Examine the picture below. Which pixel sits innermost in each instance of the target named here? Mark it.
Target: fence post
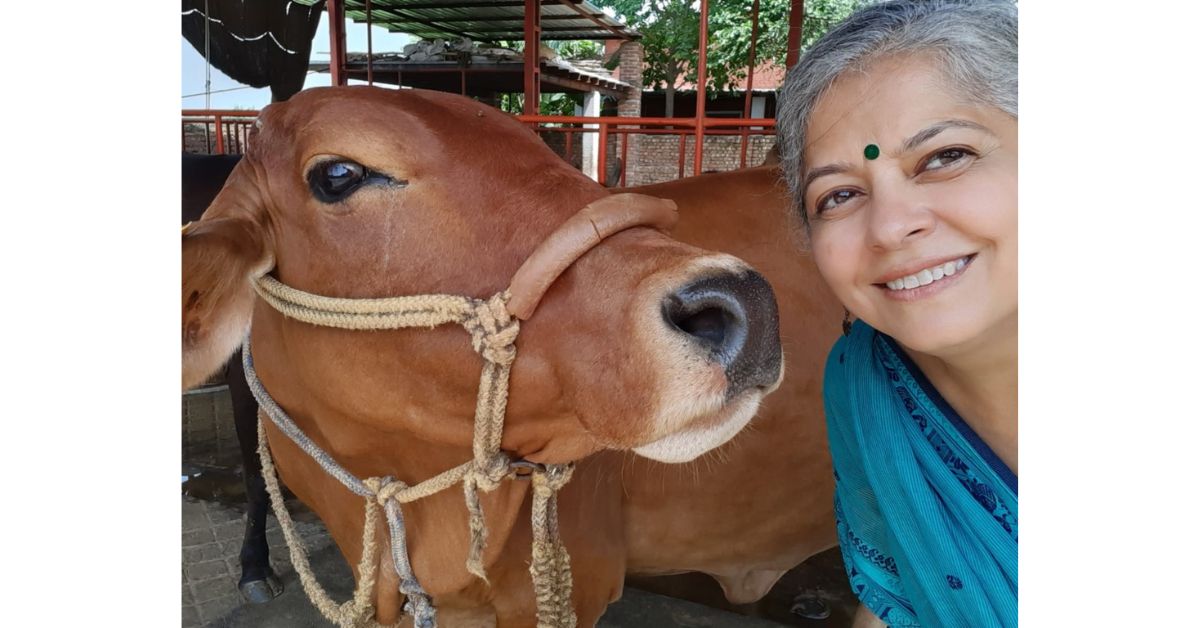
(602, 158)
(220, 134)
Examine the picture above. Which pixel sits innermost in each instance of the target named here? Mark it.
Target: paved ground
(212, 534)
(212, 537)
(213, 523)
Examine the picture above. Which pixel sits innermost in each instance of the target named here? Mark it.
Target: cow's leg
(258, 583)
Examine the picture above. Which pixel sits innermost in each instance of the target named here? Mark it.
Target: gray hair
(974, 41)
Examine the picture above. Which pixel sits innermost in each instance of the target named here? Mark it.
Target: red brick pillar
(632, 62)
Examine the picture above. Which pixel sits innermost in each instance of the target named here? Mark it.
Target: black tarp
(261, 43)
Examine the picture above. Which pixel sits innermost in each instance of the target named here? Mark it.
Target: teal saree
(926, 512)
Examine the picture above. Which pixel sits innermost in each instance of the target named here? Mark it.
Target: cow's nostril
(708, 324)
(711, 315)
(734, 317)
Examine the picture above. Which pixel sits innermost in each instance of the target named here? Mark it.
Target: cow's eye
(333, 181)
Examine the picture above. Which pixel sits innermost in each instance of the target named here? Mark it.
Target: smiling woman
(898, 134)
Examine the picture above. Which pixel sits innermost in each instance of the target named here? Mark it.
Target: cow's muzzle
(735, 319)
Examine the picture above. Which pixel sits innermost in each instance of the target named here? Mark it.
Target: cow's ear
(222, 253)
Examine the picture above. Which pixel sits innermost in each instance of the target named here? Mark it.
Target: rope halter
(493, 325)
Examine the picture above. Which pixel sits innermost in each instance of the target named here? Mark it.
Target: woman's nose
(897, 217)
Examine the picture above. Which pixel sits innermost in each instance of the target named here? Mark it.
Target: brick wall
(632, 61)
(209, 435)
(194, 140)
(557, 142)
(632, 57)
(658, 159)
(657, 156)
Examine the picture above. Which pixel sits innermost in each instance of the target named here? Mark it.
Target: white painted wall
(758, 108)
(591, 141)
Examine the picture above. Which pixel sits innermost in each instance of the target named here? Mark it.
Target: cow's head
(643, 343)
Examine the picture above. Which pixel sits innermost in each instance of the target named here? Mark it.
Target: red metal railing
(685, 128)
(222, 131)
(225, 131)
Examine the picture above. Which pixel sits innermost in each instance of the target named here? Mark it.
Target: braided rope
(493, 335)
(354, 612)
(419, 604)
(551, 565)
(362, 314)
(293, 431)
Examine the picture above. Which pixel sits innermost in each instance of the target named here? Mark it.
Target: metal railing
(222, 131)
(623, 128)
(226, 132)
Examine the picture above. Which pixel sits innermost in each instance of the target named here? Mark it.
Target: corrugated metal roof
(489, 20)
(487, 74)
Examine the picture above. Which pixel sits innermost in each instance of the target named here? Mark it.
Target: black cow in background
(231, 35)
(203, 178)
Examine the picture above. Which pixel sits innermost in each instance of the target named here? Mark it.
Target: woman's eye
(833, 199)
(944, 158)
(332, 181)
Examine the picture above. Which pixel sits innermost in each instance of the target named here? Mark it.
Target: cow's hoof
(261, 591)
(810, 606)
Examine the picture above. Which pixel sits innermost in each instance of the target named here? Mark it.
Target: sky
(244, 97)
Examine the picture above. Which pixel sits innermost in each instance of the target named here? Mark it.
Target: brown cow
(643, 344)
(763, 503)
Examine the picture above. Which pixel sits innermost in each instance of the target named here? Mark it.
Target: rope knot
(384, 489)
(557, 475)
(375, 485)
(493, 470)
(493, 330)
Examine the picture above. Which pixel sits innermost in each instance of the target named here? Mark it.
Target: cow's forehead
(366, 106)
(370, 118)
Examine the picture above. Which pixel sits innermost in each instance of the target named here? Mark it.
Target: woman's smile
(933, 278)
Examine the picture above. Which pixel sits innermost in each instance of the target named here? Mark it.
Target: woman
(899, 139)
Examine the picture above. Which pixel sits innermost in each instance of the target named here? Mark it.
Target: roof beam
(549, 75)
(546, 36)
(483, 18)
(408, 13)
(485, 35)
(412, 18)
(358, 71)
(589, 15)
(582, 86)
(509, 29)
(532, 68)
(461, 4)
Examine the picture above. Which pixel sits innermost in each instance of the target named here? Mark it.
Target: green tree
(670, 39)
(577, 48)
(671, 36)
(549, 105)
